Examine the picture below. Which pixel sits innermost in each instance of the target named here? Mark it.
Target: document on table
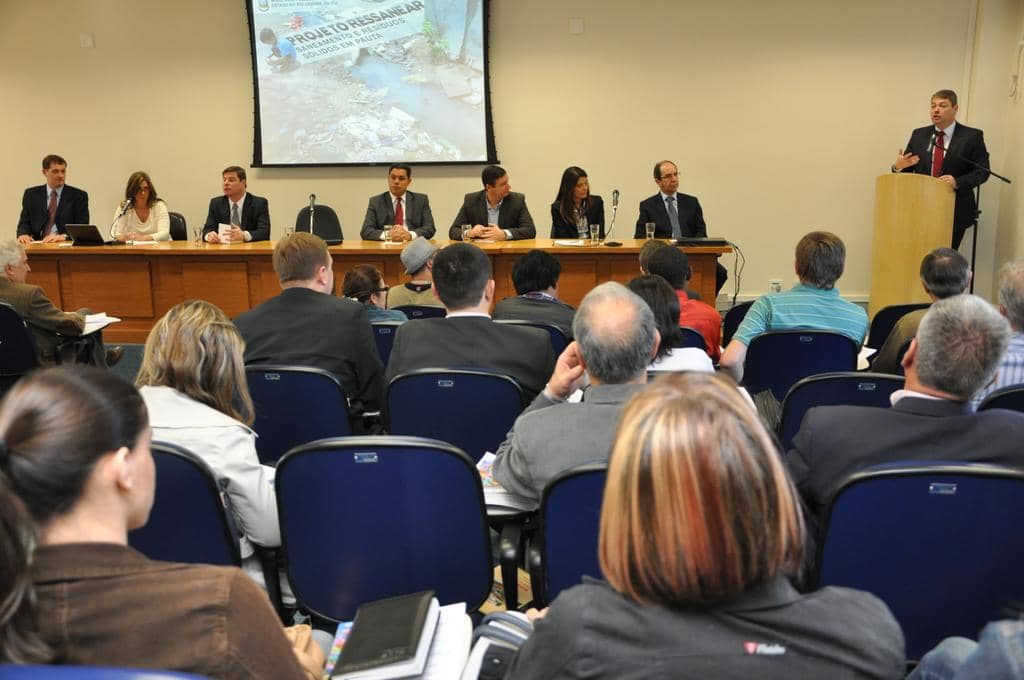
(94, 322)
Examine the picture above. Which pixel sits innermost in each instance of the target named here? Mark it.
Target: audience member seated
(142, 215)
(496, 213)
(467, 337)
(193, 381)
(535, 276)
(955, 353)
(77, 475)
(944, 272)
(365, 284)
(306, 325)
(418, 260)
(44, 320)
(673, 265)
(1010, 370)
(700, 528)
(575, 209)
(814, 303)
(664, 303)
(615, 339)
(649, 247)
(998, 653)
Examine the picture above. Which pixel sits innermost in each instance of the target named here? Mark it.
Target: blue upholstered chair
(364, 518)
(417, 312)
(295, 405)
(559, 341)
(939, 543)
(777, 360)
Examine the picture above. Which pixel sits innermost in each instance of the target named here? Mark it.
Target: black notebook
(390, 638)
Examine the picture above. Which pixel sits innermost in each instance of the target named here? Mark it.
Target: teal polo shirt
(803, 307)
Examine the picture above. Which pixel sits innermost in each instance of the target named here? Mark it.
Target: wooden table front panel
(140, 284)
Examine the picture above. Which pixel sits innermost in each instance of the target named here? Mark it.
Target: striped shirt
(1010, 371)
(803, 307)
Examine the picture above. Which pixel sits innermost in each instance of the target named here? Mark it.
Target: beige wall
(780, 114)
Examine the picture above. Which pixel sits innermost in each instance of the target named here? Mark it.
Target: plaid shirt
(1010, 371)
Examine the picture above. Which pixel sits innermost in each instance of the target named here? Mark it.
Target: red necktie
(399, 213)
(937, 154)
(52, 209)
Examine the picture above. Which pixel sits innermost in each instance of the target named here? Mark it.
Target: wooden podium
(913, 215)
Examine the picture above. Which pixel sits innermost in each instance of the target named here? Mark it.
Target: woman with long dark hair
(142, 215)
(575, 206)
(76, 474)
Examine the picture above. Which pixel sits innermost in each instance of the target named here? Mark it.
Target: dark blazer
(561, 228)
(514, 215)
(554, 312)
(381, 211)
(770, 632)
(967, 142)
(255, 216)
(837, 441)
(72, 208)
(691, 217)
(44, 320)
(474, 342)
(307, 328)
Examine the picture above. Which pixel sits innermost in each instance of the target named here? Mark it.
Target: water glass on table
(197, 236)
(649, 229)
(594, 228)
(466, 228)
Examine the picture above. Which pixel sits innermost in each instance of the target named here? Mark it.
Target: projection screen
(355, 82)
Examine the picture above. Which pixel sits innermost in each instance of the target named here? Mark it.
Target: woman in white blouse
(142, 215)
(193, 382)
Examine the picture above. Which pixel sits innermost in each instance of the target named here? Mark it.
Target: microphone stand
(124, 211)
(312, 206)
(977, 202)
(615, 210)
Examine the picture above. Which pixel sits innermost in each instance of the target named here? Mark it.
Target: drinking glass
(649, 229)
(197, 236)
(581, 228)
(387, 234)
(593, 232)
(289, 230)
(466, 228)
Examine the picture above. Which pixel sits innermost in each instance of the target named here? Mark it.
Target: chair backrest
(732, 321)
(15, 672)
(692, 338)
(416, 312)
(470, 409)
(570, 515)
(777, 360)
(559, 341)
(833, 389)
(188, 522)
(940, 544)
(326, 224)
(384, 335)
(364, 518)
(1011, 397)
(295, 405)
(884, 320)
(17, 348)
(179, 228)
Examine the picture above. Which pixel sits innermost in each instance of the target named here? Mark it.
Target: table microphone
(615, 209)
(312, 206)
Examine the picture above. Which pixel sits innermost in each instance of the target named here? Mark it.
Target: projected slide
(370, 81)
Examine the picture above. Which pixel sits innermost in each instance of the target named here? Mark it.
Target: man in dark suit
(674, 215)
(48, 208)
(956, 352)
(407, 214)
(248, 215)
(47, 323)
(496, 213)
(948, 150)
(308, 326)
(467, 337)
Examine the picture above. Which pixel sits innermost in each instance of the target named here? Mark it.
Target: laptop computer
(694, 241)
(86, 235)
